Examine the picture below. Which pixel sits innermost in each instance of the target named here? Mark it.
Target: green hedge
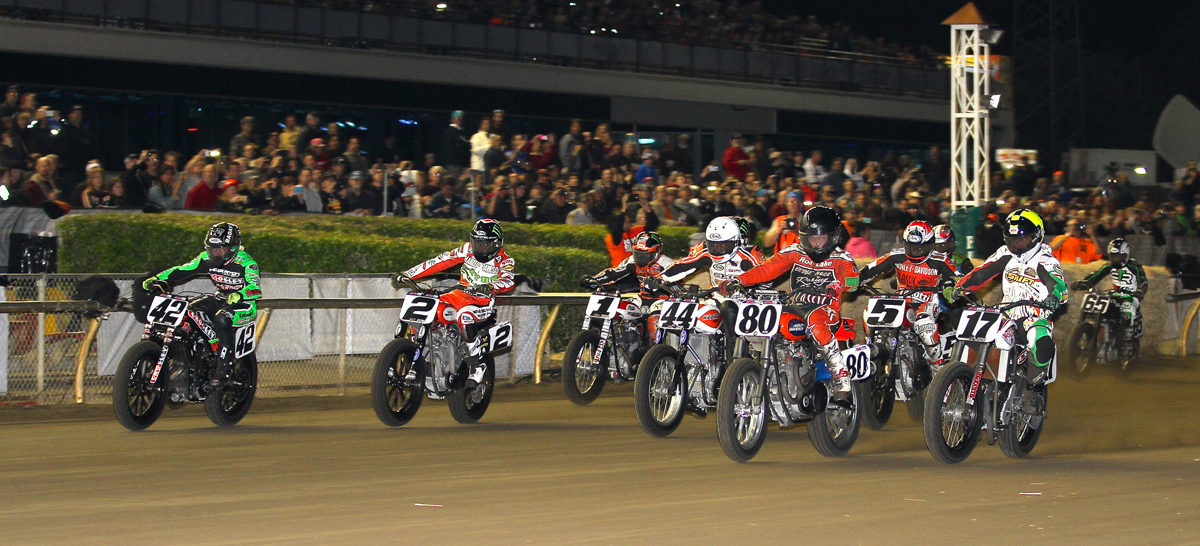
(541, 235)
(142, 242)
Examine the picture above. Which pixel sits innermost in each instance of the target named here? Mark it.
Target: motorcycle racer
(486, 271)
(918, 267)
(943, 241)
(1030, 272)
(647, 261)
(1129, 279)
(236, 276)
(818, 266)
(722, 253)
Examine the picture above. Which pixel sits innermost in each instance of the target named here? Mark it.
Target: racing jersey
(1130, 277)
(928, 273)
(497, 272)
(718, 272)
(628, 271)
(1035, 276)
(831, 277)
(240, 275)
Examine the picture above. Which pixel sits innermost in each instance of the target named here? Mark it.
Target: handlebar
(677, 290)
(899, 293)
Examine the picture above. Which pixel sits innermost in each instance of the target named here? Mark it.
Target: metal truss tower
(1047, 77)
(970, 88)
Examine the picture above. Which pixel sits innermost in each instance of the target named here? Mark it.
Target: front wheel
(658, 395)
(469, 403)
(397, 384)
(582, 379)
(138, 401)
(231, 401)
(881, 397)
(834, 431)
(952, 426)
(1081, 350)
(1025, 425)
(742, 410)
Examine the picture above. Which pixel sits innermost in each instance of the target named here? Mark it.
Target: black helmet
(222, 243)
(1023, 230)
(647, 248)
(748, 230)
(487, 238)
(820, 232)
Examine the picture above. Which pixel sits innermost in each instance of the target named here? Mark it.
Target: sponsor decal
(1016, 276)
(254, 292)
(796, 328)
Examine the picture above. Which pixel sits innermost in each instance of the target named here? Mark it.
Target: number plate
(1096, 303)
(167, 309)
(678, 315)
(757, 319)
(979, 325)
(602, 306)
(884, 312)
(858, 362)
(419, 309)
(500, 337)
(243, 341)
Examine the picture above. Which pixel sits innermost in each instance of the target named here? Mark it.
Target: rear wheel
(742, 410)
(658, 395)
(397, 383)
(1025, 425)
(952, 426)
(468, 404)
(582, 379)
(230, 402)
(137, 401)
(834, 431)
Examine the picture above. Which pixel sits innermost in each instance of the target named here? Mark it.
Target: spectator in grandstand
(75, 147)
(12, 98)
(1077, 245)
(358, 199)
(481, 142)
(835, 177)
(245, 136)
(312, 130)
(204, 195)
(166, 192)
(456, 147)
(784, 228)
(555, 209)
(735, 160)
(289, 136)
(116, 194)
(859, 245)
(570, 147)
(501, 204)
(498, 126)
(646, 170)
(41, 185)
(446, 203)
(331, 198)
(581, 215)
(493, 157)
(230, 200)
(93, 194)
(356, 158)
(814, 171)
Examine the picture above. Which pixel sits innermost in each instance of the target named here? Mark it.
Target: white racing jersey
(1034, 275)
(497, 272)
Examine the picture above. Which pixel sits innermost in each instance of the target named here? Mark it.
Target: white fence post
(41, 339)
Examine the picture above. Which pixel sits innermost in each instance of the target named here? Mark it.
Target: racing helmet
(748, 230)
(1023, 230)
(943, 239)
(721, 238)
(222, 243)
(647, 248)
(487, 238)
(820, 232)
(1118, 252)
(918, 240)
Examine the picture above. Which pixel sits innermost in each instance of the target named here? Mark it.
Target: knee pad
(1042, 347)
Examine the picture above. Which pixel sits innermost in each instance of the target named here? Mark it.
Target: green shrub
(142, 242)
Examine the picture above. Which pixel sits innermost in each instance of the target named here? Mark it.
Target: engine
(443, 353)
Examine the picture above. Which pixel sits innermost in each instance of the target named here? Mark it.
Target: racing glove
(233, 298)
(729, 286)
(399, 280)
(483, 290)
(1051, 304)
(588, 282)
(156, 286)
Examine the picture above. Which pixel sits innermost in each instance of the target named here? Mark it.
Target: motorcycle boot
(839, 376)
(223, 324)
(475, 366)
(927, 332)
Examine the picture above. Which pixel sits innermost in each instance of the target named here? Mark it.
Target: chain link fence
(302, 352)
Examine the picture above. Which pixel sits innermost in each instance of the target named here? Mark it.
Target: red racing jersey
(831, 277)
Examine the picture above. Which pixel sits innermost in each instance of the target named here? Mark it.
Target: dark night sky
(1136, 55)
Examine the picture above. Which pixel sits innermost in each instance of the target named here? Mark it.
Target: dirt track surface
(1119, 463)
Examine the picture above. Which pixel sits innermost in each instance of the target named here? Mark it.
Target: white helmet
(721, 238)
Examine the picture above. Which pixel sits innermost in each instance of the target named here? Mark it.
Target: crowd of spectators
(484, 169)
(738, 24)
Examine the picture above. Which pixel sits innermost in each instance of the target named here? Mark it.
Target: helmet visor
(484, 248)
(917, 250)
(219, 253)
(644, 258)
(818, 242)
(1118, 257)
(1018, 243)
(720, 248)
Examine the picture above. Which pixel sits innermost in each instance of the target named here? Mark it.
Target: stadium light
(1140, 170)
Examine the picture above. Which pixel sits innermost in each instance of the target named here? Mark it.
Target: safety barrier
(319, 335)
